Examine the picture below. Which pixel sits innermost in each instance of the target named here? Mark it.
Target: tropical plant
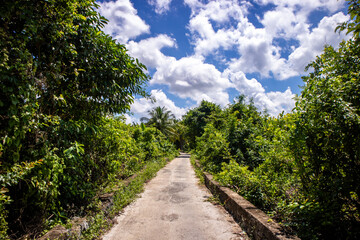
(212, 149)
(178, 135)
(60, 76)
(160, 118)
(196, 119)
(326, 139)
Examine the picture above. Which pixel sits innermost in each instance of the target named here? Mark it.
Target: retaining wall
(255, 222)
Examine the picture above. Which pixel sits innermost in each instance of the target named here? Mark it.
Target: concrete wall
(255, 222)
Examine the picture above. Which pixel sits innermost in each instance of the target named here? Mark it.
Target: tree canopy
(61, 75)
(161, 118)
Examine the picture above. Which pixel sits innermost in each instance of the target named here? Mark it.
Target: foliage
(195, 120)
(302, 168)
(352, 26)
(325, 142)
(160, 118)
(178, 135)
(153, 143)
(272, 183)
(212, 149)
(243, 123)
(276, 183)
(62, 79)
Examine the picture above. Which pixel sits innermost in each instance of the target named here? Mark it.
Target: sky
(215, 50)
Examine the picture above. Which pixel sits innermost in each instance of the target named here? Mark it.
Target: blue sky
(218, 49)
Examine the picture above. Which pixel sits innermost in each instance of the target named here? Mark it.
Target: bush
(212, 149)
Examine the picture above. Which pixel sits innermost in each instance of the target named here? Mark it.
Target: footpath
(175, 206)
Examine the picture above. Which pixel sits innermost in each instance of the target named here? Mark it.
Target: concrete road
(175, 206)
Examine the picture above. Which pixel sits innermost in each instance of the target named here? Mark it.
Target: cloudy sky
(218, 49)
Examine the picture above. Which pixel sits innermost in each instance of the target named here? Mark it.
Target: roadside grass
(198, 172)
(101, 221)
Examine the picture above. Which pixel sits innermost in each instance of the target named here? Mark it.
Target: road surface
(174, 206)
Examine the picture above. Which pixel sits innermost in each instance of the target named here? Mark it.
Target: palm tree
(160, 118)
(177, 135)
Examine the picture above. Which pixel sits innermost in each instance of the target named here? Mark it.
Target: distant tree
(196, 119)
(160, 118)
(178, 135)
(244, 123)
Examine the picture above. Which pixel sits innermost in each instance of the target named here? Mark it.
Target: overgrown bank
(62, 81)
(302, 168)
(125, 194)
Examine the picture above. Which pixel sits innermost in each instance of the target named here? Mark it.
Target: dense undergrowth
(67, 181)
(256, 156)
(124, 194)
(62, 81)
(302, 168)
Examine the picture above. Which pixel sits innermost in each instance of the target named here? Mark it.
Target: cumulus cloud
(129, 119)
(306, 6)
(148, 51)
(283, 22)
(141, 106)
(190, 77)
(273, 102)
(258, 49)
(212, 28)
(220, 25)
(312, 43)
(215, 14)
(161, 6)
(259, 55)
(124, 23)
(255, 45)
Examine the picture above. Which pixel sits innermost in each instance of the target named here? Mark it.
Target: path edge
(255, 222)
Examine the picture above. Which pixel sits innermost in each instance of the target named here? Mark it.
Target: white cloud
(216, 14)
(161, 6)
(259, 55)
(141, 106)
(283, 22)
(274, 102)
(212, 28)
(258, 50)
(129, 119)
(306, 6)
(148, 51)
(124, 23)
(191, 78)
(224, 25)
(312, 43)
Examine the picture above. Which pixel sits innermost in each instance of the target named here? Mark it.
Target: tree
(178, 135)
(197, 118)
(161, 118)
(326, 140)
(60, 74)
(244, 124)
(352, 26)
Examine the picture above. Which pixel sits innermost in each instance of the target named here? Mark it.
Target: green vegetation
(160, 118)
(163, 120)
(123, 196)
(62, 81)
(302, 168)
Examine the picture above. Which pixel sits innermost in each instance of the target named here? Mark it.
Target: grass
(198, 172)
(125, 194)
